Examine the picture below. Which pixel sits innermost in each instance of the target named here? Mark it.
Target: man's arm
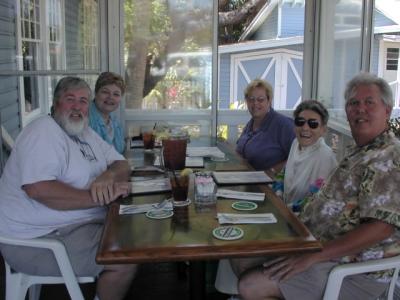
(58, 195)
(353, 242)
(107, 187)
(118, 171)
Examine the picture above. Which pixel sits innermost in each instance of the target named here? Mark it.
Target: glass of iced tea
(148, 140)
(174, 152)
(179, 185)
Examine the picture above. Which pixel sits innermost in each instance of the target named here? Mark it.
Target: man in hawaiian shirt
(356, 214)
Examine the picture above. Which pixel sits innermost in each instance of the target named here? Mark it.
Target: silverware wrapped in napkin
(225, 218)
(231, 194)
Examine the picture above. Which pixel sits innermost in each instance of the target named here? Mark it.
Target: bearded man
(56, 183)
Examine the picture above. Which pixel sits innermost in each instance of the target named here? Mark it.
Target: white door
(282, 68)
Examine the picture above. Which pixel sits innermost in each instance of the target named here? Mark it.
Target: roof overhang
(257, 45)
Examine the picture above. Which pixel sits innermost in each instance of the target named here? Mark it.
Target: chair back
(18, 283)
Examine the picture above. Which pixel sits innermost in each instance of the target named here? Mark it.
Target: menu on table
(190, 162)
(241, 177)
(204, 152)
(152, 185)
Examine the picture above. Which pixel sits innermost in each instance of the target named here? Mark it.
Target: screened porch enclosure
(176, 71)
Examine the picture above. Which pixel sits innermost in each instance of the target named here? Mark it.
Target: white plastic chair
(338, 273)
(17, 283)
(226, 280)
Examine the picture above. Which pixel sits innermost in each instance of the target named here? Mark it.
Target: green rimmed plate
(159, 214)
(228, 233)
(244, 205)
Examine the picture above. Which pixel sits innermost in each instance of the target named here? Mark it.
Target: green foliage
(231, 33)
(222, 132)
(160, 27)
(160, 24)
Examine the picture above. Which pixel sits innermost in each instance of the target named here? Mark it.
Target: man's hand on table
(104, 192)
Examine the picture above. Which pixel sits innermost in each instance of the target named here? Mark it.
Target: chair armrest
(61, 256)
(338, 273)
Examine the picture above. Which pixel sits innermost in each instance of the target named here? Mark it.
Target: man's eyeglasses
(258, 99)
(312, 123)
(86, 149)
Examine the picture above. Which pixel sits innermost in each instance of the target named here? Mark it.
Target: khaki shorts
(81, 242)
(311, 283)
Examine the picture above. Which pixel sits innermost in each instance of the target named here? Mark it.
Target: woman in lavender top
(267, 137)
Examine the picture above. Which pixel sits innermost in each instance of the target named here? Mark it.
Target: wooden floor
(153, 281)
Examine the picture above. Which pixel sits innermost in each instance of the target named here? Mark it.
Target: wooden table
(187, 236)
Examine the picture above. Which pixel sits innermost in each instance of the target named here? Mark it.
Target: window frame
(43, 60)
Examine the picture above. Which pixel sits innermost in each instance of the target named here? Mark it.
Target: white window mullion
(45, 6)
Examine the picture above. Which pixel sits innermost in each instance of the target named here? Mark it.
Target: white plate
(244, 205)
(159, 214)
(228, 233)
(182, 203)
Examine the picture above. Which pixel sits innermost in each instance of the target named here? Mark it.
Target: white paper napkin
(143, 208)
(224, 218)
(240, 195)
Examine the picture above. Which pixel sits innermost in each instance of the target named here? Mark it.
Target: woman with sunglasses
(266, 139)
(310, 159)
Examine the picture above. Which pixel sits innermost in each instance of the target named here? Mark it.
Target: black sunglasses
(312, 123)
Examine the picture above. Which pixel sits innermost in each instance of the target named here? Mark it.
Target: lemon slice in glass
(186, 172)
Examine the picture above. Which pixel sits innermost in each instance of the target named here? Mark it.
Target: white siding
(9, 108)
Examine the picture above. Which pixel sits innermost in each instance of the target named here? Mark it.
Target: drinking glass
(179, 185)
(174, 153)
(148, 140)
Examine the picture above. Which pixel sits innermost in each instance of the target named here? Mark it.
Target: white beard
(72, 128)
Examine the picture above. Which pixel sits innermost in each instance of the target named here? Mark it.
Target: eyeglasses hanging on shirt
(85, 148)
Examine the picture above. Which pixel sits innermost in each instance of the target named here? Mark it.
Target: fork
(161, 204)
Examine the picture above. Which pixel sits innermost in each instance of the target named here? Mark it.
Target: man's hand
(105, 192)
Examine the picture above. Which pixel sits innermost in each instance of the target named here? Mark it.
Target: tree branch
(222, 4)
(238, 15)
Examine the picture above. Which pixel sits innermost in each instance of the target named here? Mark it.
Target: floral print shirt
(364, 186)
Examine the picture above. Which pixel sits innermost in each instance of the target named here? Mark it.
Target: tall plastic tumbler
(174, 152)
